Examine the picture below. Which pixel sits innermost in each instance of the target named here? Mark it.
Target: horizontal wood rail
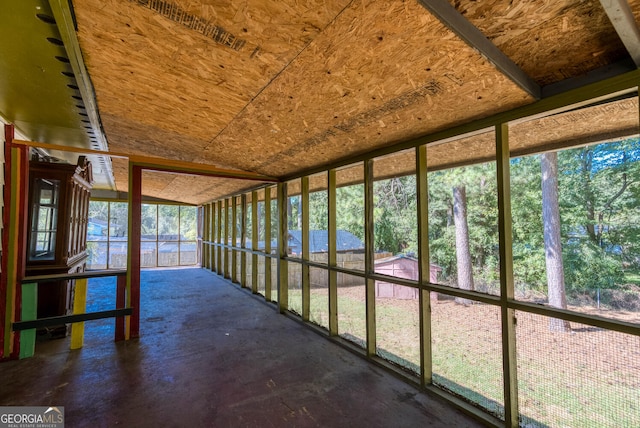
(69, 319)
(29, 322)
(78, 275)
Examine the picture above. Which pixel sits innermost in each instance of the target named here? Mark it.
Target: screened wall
(169, 235)
(499, 265)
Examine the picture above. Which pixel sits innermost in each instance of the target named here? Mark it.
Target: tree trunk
(552, 244)
(463, 255)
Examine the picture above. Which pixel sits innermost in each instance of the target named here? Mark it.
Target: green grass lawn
(564, 380)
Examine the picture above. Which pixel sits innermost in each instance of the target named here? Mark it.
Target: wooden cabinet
(57, 234)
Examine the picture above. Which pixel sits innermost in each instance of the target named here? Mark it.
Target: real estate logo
(31, 417)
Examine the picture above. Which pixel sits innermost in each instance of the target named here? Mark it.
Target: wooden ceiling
(280, 87)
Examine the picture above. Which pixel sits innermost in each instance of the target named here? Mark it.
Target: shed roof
(391, 259)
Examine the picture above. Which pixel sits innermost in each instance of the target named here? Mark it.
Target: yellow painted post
(79, 307)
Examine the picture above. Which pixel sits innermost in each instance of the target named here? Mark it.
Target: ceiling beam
(621, 16)
(159, 164)
(457, 23)
(599, 74)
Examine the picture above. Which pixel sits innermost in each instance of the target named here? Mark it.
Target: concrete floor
(212, 355)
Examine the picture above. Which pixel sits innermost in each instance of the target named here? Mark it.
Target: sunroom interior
(383, 172)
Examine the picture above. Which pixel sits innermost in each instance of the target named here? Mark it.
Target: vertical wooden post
(206, 213)
(306, 286)
(7, 279)
(79, 307)
(424, 267)
(14, 237)
(221, 235)
(5, 296)
(267, 244)
(370, 291)
(157, 252)
(121, 301)
(132, 329)
(21, 159)
(204, 246)
(226, 238)
(219, 248)
(283, 241)
(243, 241)
(206, 239)
(509, 356)
(332, 238)
(254, 242)
(234, 238)
(212, 236)
(109, 233)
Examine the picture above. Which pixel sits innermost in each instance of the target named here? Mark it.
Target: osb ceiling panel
(551, 40)
(383, 72)
(280, 87)
(170, 75)
(189, 189)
